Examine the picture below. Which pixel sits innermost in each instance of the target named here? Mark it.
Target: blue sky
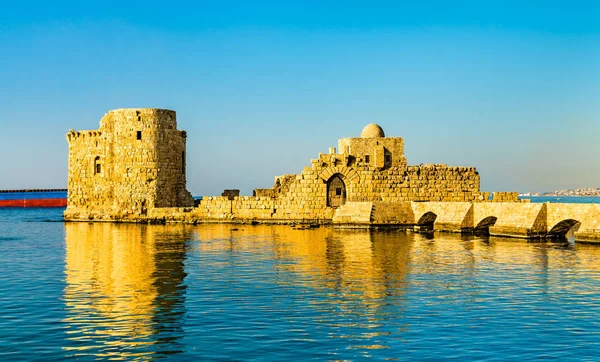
(510, 87)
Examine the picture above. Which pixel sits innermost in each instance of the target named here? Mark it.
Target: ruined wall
(382, 177)
(142, 165)
(231, 194)
(505, 197)
(253, 208)
(87, 155)
(305, 195)
(241, 207)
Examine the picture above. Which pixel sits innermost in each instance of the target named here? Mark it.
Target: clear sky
(511, 87)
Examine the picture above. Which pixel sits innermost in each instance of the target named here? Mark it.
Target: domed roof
(371, 131)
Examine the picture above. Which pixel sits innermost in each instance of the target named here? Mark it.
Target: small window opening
(338, 191)
(97, 165)
(388, 158)
(367, 159)
(139, 135)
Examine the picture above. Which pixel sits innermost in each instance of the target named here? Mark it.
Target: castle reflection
(124, 291)
(353, 278)
(372, 266)
(126, 287)
(368, 264)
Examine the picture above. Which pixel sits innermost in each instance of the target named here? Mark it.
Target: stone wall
(305, 195)
(511, 219)
(87, 155)
(505, 197)
(255, 208)
(230, 194)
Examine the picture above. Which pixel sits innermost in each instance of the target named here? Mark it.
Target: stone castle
(133, 169)
(133, 163)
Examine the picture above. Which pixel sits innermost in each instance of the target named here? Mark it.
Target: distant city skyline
(509, 87)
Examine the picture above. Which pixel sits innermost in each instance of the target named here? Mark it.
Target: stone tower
(134, 162)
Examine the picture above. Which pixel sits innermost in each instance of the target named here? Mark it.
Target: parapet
(73, 135)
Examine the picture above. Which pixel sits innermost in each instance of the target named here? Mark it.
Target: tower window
(139, 135)
(338, 191)
(97, 166)
(388, 158)
(367, 159)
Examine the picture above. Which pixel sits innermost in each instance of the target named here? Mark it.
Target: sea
(103, 291)
(564, 199)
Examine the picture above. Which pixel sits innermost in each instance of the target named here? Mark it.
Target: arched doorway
(336, 191)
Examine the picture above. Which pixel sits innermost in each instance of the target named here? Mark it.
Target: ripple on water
(111, 291)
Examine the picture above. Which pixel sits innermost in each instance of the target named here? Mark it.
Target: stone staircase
(354, 213)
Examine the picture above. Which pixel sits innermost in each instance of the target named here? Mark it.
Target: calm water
(564, 199)
(111, 291)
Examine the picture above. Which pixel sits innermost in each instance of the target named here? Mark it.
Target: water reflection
(125, 289)
(355, 277)
(366, 264)
(328, 294)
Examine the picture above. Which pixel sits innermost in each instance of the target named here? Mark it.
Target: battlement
(432, 168)
(74, 135)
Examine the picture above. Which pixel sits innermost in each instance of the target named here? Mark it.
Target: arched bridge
(522, 220)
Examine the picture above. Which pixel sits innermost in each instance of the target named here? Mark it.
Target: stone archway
(426, 221)
(336, 191)
(565, 230)
(483, 227)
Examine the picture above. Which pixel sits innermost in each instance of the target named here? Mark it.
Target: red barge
(33, 198)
